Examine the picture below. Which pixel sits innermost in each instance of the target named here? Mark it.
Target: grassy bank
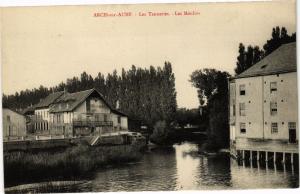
(73, 163)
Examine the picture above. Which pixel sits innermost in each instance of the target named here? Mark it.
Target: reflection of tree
(215, 171)
(156, 171)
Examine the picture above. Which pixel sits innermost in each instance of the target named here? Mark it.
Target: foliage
(22, 167)
(212, 88)
(190, 116)
(279, 37)
(209, 82)
(144, 94)
(161, 134)
(254, 54)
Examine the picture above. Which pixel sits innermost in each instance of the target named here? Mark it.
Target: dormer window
(264, 66)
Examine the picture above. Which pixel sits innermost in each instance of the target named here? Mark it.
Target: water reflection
(156, 171)
(183, 168)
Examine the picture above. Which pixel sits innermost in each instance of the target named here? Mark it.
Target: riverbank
(72, 163)
(45, 187)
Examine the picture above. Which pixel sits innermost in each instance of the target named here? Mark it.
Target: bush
(161, 134)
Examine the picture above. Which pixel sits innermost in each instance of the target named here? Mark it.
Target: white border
(5, 3)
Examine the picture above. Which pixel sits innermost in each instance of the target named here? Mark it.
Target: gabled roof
(69, 101)
(282, 60)
(118, 112)
(15, 111)
(49, 100)
(29, 110)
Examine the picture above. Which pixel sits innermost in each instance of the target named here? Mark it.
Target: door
(292, 132)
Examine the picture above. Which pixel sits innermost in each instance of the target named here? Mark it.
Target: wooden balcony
(87, 123)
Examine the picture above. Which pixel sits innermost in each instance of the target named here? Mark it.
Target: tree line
(212, 86)
(253, 54)
(145, 94)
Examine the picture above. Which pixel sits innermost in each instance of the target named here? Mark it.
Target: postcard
(149, 97)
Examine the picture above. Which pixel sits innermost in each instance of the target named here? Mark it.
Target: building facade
(264, 106)
(14, 124)
(41, 118)
(81, 113)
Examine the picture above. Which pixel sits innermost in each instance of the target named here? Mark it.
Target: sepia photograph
(149, 97)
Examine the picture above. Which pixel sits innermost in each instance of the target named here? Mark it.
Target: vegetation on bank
(72, 163)
(46, 187)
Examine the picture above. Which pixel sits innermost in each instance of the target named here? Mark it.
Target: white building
(41, 111)
(263, 106)
(79, 113)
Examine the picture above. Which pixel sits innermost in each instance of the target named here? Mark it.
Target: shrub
(161, 134)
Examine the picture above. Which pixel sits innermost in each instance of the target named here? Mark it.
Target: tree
(279, 37)
(241, 62)
(247, 58)
(212, 87)
(145, 94)
(254, 54)
(188, 116)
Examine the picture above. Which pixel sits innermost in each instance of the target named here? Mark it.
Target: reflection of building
(80, 113)
(14, 123)
(263, 105)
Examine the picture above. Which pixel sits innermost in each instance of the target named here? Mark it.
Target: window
(97, 118)
(273, 87)
(119, 119)
(243, 127)
(242, 109)
(242, 90)
(8, 118)
(273, 108)
(274, 128)
(233, 109)
(88, 105)
(105, 118)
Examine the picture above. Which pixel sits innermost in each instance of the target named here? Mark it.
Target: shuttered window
(274, 127)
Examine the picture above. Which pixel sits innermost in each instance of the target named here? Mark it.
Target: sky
(47, 45)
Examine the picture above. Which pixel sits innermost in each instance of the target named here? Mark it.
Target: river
(181, 167)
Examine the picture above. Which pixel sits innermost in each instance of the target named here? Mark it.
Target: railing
(87, 123)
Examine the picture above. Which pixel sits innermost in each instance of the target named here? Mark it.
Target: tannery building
(81, 113)
(264, 108)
